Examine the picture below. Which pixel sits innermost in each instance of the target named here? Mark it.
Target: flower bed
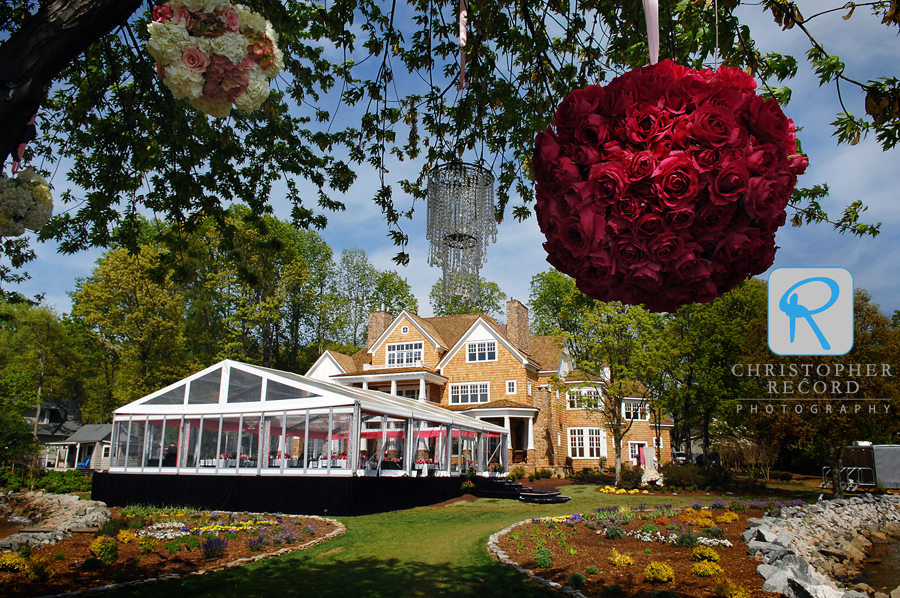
(141, 543)
(613, 549)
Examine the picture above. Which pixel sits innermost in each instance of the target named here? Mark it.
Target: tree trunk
(35, 55)
(618, 441)
(837, 484)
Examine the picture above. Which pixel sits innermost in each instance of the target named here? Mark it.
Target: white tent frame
(132, 424)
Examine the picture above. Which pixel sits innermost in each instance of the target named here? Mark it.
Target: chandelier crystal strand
(461, 224)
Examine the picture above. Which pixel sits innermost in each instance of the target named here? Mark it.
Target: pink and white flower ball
(666, 186)
(215, 54)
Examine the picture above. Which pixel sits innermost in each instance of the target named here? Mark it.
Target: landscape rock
(55, 515)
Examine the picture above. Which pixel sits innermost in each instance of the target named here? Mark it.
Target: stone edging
(238, 563)
(500, 555)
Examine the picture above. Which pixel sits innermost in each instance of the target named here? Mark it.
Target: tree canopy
(130, 148)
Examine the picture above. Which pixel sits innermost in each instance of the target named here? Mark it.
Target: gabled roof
(501, 338)
(91, 433)
(547, 351)
(428, 331)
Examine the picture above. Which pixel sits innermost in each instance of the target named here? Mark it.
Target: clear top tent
(236, 418)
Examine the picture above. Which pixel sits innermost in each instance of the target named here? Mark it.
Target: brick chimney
(517, 323)
(378, 323)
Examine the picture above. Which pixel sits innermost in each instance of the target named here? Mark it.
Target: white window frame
(409, 393)
(105, 453)
(592, 442)
(510, 387)
(474, 351)
(405, 354)
(529, 388)
(469, 390)
(404, 330)
(575, 397)
(629, 407)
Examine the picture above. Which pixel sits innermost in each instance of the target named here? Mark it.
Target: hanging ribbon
(463, 17)
(651, 15)
(29, 134)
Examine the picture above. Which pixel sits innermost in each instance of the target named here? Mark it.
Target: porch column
(77, 454)
(394, 387)
(530, 433)
(506, 423)
(365, 385)
(422, 398)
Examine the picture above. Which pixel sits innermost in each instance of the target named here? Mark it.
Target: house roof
(501, 404)
(345, 361)
(546, 351)
(91, 433)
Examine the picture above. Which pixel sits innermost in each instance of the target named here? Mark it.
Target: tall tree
(394, 293)
(489, 300)
(355, 284)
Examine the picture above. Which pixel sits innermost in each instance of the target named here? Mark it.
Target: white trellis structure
(240, 419)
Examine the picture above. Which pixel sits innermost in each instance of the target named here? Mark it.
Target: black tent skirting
(276, 494)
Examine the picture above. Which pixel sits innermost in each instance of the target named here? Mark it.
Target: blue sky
(864, 172)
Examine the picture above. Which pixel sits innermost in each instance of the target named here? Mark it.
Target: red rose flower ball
(666, 186)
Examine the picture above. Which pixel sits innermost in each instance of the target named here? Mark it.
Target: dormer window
(636, 410)
(482, 351)
(403, 355)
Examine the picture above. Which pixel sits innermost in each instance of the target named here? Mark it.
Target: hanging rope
(463, 17)
(651, 16)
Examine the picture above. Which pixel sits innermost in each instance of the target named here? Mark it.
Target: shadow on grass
(319, 576)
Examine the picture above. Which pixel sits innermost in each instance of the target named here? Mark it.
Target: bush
(715, 477)
(649, 528)
(614, 532)
(620, 560)
(880, 488)
(190, 541)
(631, 477)
(680, 476)
(782, 476)
(543, 558)
(718, 504)
(592, 570)
(657, 572)
(577, 580)
(516, 474)
(530, 477)
(705, 553)
(112, 528)
(40, 568)
(714, 532)
(706, 569)
(686, 540)
(613, 590)
(125, 536)
(663, 594)
(172, 547)
(10, 561)
(543, 473)
(738, 506)
(105, 549)
(59, 556)
(725, 588)
(213, 547)
(147, 544)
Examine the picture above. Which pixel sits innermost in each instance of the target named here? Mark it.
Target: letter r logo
(810, 311)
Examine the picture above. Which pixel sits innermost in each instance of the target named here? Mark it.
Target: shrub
(725, 588)
(105, 549)
(112, 527)
(613, 590)
(172, 547)
(125, 536)
(518, 473)
(577, 580)
(663, 594)
(706, 569)
(91, 564)
(738, 506)
(705, 553)
(718, 504)
(10, 561)
(543, 473)
(256, 544)
(190, 541)
(543, 558)
(680, 476)
(672, 527)
(530, 477)
(24, 551)
(657, 572)
(213, 547)
(880, 488)
(649, 528)
(620, 560)
(686, 540)
(631, 477)
(783, 476)
(727, 517)
(59, 556)
(714, 532)
(40, 568)
(716, 477)
(592, 570)
(147, 544)
(614, 532)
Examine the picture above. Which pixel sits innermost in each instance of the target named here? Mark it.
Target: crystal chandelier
(461, 223)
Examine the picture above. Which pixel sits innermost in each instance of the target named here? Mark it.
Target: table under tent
(239, 436)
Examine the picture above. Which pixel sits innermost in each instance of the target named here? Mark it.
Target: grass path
(423, 552)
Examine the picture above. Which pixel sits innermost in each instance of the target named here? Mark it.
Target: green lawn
(429, 551)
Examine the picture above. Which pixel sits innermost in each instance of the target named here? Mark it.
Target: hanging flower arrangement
(214, 53)
(666, 186)
(25, 202)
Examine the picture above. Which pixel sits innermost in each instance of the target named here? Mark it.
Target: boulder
(804, 590)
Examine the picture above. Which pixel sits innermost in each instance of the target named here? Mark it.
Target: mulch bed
(68, 556)
(593, 549)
